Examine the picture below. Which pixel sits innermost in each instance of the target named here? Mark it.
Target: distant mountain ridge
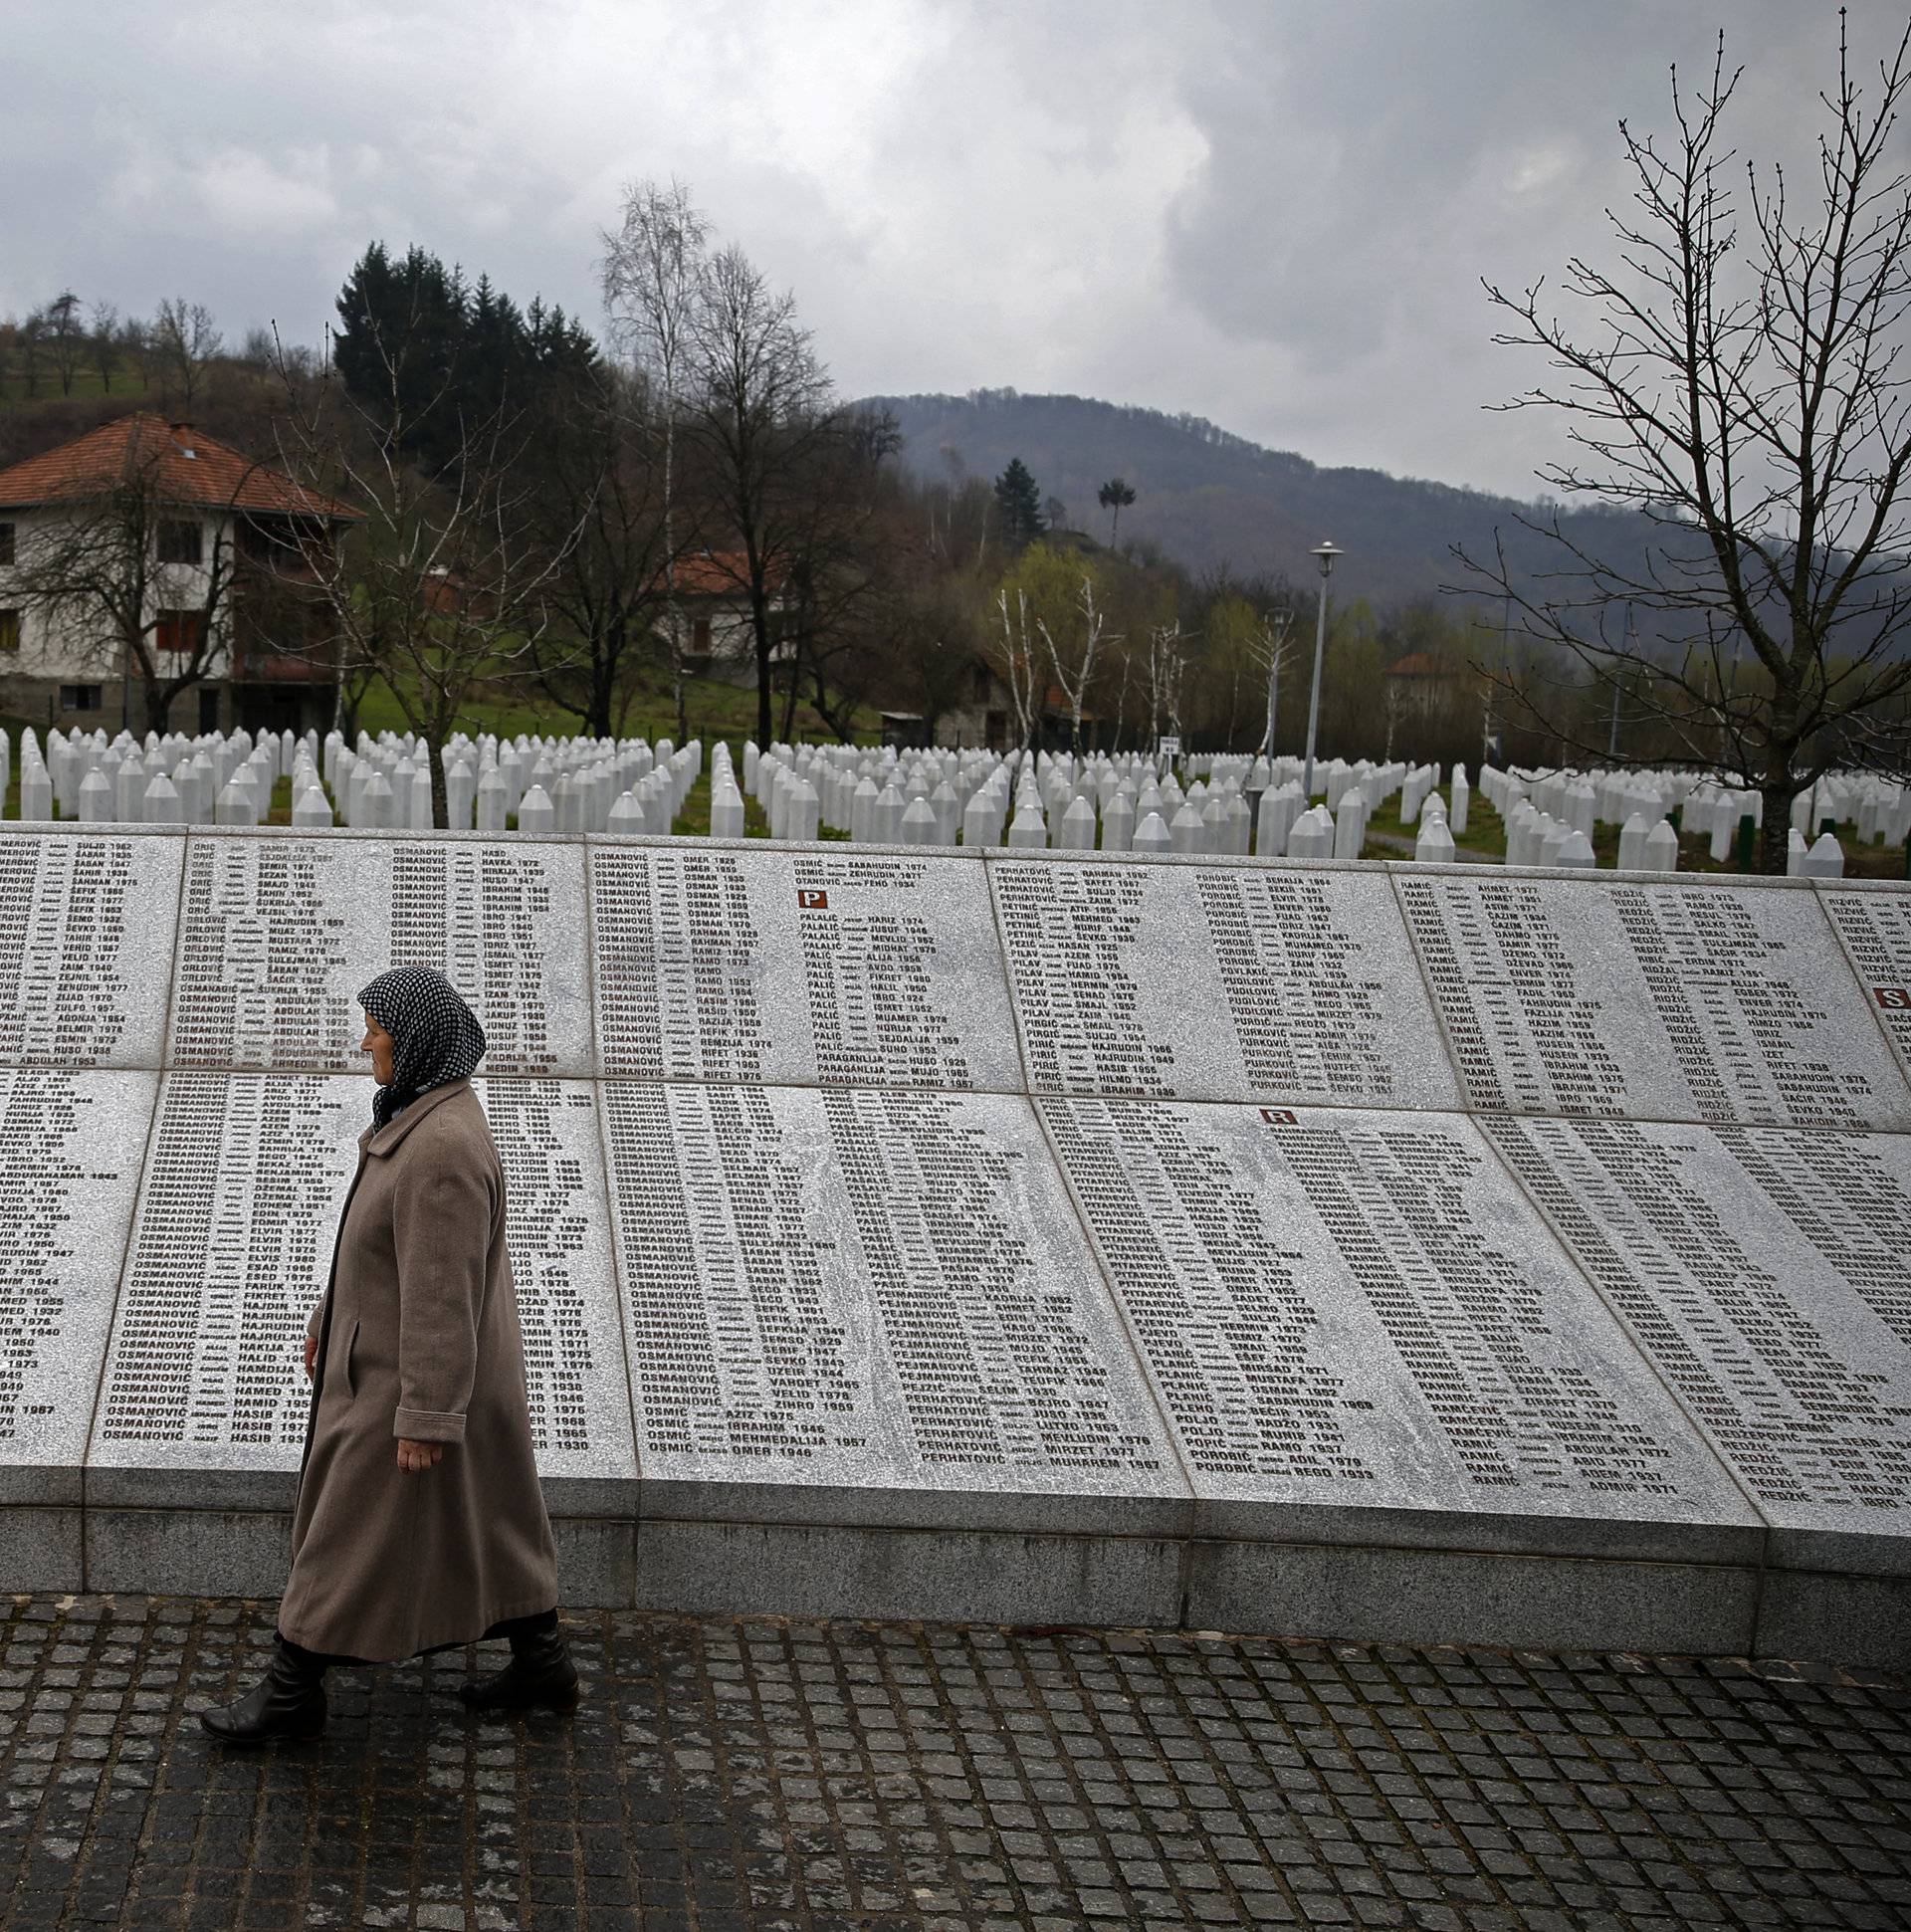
(1207, 497)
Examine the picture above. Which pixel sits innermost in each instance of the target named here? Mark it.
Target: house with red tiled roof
(716, 629)
(148, 553)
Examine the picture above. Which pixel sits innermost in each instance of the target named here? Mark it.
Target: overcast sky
(1269, 214)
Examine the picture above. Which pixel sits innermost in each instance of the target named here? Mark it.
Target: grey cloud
(1269, 213)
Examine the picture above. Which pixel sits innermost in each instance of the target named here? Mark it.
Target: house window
(700, 637)
(6, 543)
(182, 542)
(180, 630)
(80, 696)
(9, 630)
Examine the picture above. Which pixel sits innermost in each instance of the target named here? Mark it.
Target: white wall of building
(57, 646)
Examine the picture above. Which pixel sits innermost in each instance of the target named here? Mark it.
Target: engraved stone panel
(278, 934)
(1874, 925)
(867, 1291)
(558, 1227)
(85, 934)
(1765, 1275)
(69, 1149)
(713, 963)
(1217, 982)
(232, 1248)
(1348, 1311)
(1679, 1001)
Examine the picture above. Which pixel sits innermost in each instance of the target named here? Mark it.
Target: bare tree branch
(1739, 384)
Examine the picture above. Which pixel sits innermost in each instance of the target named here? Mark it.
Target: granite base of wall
(1835, 1618)
(41, 1548)
(925, 1576)
(1288, 1590)
(1422, 1597)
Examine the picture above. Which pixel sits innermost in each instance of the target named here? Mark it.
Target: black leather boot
(289, 1701)
(539, 1675)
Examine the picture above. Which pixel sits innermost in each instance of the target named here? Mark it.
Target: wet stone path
(758, 1773)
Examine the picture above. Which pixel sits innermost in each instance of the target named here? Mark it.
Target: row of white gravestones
(554, 786)
(1640, 802)
(1111, 804)
(207, 780)
(570, 785)
(1871, 808)
(1239, 805)
(216, 778)
(1874, 809)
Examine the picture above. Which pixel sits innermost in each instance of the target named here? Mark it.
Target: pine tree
(400, 328)
(1018, 502)
(1115, 495)
(415, 346)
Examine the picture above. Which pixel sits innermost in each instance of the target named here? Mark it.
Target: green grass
(13, 727)
(381, 711)
(716, 709)
(87, 387)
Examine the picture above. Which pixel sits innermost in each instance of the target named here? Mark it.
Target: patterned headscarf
(435, 1035)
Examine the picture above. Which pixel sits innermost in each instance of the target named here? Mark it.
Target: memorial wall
(1197, 1205)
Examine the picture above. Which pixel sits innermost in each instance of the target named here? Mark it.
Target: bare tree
(839, 548)
(139, 347)
(32, 344)
(186, 340)
(63, 331)
(440, 591)
(1270, 646)
(1741, 387)
(1075, 669)
(930, 627)
(1166, 657)
(103, 343)
(137, 584)
(763, 422)
(654, 275)
(1021, 667)
(596, 508)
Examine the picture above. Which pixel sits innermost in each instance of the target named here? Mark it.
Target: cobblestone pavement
(755, 1772)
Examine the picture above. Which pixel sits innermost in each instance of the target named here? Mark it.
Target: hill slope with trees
(1209, 499)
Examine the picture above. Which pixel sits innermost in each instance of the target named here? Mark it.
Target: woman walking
(419, 1524)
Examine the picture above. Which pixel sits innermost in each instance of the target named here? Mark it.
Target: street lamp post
(1631, 650)
(1326, 552)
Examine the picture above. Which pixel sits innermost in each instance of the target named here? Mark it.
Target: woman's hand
(418, 1455)
(312, 1351)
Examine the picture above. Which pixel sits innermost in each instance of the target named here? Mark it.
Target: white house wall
(53, 647)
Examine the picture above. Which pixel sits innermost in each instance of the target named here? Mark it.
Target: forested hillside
(1207, 498)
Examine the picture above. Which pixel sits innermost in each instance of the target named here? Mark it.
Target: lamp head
(1327, 551)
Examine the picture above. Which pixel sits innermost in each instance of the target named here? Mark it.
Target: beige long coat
(418, 1337)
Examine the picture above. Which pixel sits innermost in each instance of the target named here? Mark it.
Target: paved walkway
(761, 1774)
